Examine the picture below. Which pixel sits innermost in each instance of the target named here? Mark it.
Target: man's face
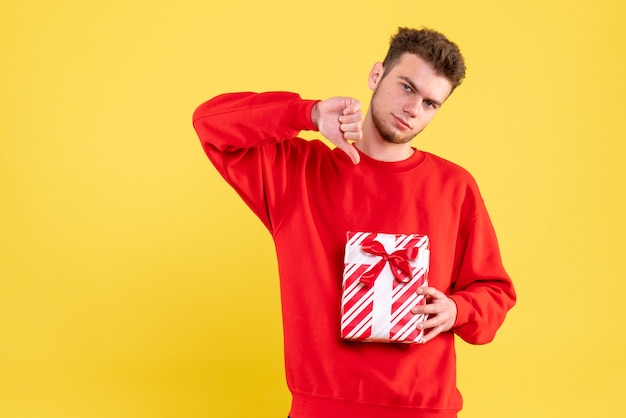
(406, 97)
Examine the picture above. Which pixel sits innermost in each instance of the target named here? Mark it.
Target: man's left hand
(441, 311)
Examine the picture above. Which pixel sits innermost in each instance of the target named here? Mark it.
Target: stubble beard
(386, 132)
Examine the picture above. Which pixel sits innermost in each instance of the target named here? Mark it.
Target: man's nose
(412, 107)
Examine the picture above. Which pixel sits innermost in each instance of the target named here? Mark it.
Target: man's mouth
(402, 123)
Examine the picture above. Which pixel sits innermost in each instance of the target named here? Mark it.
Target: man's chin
(392, 139)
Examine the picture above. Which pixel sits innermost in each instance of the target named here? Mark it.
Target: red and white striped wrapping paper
(381, 309)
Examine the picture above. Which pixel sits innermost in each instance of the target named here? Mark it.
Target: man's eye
(406, 87)
(428, 103)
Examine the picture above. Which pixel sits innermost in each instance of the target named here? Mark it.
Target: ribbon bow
(398, 262)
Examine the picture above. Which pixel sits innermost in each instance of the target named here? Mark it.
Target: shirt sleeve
(244, 135)
(482, 289)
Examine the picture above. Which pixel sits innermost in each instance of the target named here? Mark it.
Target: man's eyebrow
(414, 87)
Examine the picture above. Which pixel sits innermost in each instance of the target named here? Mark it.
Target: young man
(310, 197)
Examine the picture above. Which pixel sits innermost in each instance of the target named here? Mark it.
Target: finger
(353, 131)
(352, 106)
(430, 309)
(431, 334)
(432, 322)
(353, 136)
(354, 155)
(351, 151)
(350, 127)
(430, 291)
(351, 118)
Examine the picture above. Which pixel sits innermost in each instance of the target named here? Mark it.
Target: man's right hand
(340, 120)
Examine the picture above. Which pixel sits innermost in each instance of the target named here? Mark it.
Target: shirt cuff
(301, 114)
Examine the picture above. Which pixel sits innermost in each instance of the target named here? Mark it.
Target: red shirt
(308, 196)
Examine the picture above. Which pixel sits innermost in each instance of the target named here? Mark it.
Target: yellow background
(134, 283)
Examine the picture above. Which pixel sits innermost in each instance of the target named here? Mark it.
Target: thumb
(351, 151)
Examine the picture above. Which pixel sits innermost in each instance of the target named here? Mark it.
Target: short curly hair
(431, 46)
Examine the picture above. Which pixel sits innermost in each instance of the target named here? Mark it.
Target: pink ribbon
(398, 262)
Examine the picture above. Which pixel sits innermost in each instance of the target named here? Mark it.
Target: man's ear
(376, 74)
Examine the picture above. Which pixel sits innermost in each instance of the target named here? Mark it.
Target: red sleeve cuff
(301, 115)
(463, 309)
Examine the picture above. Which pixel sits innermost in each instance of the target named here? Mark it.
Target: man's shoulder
(448, 167)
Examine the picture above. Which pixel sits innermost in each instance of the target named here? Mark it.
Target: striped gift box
(381, 275)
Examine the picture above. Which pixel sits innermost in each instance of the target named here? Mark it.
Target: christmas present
(381, 275)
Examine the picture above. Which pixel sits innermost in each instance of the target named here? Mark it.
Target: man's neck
(374, 146)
